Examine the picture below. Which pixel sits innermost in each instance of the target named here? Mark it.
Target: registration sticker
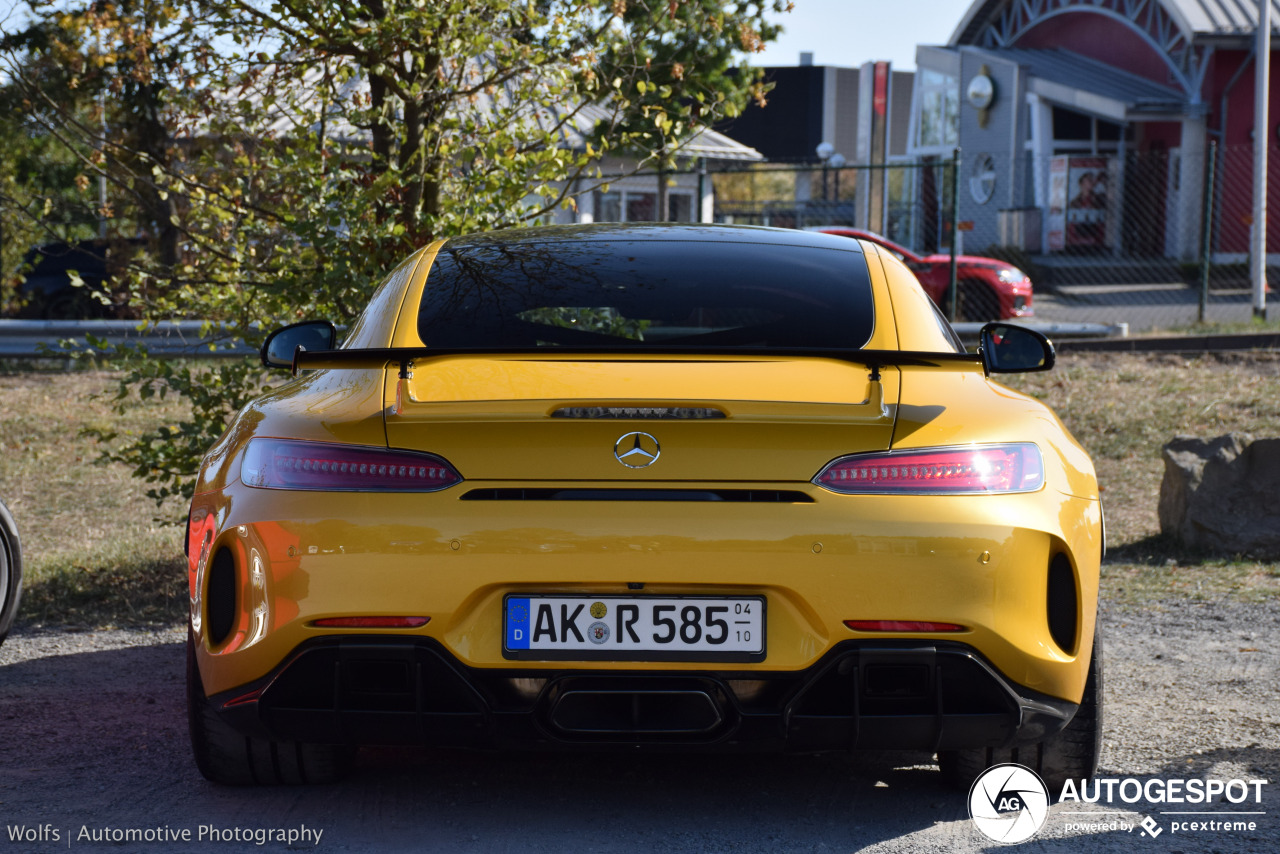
(634, 628)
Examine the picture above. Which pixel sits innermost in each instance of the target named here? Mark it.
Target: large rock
(1223, 494)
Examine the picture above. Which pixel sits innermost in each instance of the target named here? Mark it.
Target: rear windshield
(628, 294)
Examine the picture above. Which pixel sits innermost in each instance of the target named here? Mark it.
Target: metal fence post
(702, 187)
(952, 287)
(1206, 228)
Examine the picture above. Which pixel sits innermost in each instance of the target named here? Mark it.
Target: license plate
(634, 628)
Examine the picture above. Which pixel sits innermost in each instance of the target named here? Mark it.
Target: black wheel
(976, 302)
(1070, 754)
(10, 571)
(227, 756)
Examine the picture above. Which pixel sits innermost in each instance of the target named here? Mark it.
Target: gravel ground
(94, 745)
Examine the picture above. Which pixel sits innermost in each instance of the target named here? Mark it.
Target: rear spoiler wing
(1004, 349)
(307, 360)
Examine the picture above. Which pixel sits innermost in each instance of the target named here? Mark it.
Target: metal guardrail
(41, 339)
(1182, 344)
(1052, 329)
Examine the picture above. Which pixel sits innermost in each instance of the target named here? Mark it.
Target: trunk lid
(557, 418)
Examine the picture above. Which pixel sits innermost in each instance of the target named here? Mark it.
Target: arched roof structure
(1182, 32)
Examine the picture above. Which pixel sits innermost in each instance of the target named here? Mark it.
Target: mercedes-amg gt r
(676, 487)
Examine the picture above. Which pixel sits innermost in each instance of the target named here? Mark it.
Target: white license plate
(634, 628)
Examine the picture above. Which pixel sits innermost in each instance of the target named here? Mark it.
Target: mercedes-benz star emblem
(637, 450)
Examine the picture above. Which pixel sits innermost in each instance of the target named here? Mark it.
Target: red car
(988, 289)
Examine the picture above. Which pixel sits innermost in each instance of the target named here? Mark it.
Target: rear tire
(10, 572)
(227, 756)
(1070, 754)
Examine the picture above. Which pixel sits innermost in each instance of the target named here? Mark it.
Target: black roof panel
(650, 231)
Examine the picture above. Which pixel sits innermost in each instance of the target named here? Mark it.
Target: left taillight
(937, 471)
(291, 464)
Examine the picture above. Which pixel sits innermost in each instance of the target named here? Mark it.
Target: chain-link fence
(1151, 240)
(1155, 240)
(909, 203)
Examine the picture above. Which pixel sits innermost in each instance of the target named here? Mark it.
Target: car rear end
(654, 542)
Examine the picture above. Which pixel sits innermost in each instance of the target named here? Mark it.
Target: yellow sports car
(677, 487)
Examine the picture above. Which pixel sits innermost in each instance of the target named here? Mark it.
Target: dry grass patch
(96, 550)
(1123, 408)
(1131, 584)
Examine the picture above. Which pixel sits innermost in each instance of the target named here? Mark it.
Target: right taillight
(937, 471)
(292, 464)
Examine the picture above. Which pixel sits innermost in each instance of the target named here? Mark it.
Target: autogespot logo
(1009, 803)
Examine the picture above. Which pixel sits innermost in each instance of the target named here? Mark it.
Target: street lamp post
(1258, 247)
(831, 159)
(824, 152)
(836, 161)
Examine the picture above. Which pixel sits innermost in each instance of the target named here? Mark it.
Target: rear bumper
(981, 563)
(903, 695)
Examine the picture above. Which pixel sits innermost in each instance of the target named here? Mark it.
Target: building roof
(703, 142)
(1195, 18)
(303, 115)
(1223, 17)
(1090, 85)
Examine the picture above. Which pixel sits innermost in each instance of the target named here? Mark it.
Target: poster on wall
(1056, 223)
(1087, 209)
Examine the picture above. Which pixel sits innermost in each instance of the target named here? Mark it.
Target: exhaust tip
(623, 712)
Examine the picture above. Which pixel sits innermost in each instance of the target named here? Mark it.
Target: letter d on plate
(517, 623)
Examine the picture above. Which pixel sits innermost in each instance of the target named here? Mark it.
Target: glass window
(608, 207)
(951, 115)
(1068, 124)
(641, 207)
(680, 207)
(931, 118)
(938, 102)
(531, 292)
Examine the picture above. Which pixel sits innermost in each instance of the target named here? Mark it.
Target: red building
(1084, 125)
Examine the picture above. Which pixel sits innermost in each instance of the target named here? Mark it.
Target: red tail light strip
(902, 626)
(290, 464)
(961, 470)
(372, 622)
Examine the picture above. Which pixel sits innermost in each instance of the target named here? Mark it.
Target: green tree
(297, 150)
(39, 200)
(84, 92)
(684, 69)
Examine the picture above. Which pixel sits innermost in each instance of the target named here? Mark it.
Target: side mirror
(278, 349)
(1007, 349)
